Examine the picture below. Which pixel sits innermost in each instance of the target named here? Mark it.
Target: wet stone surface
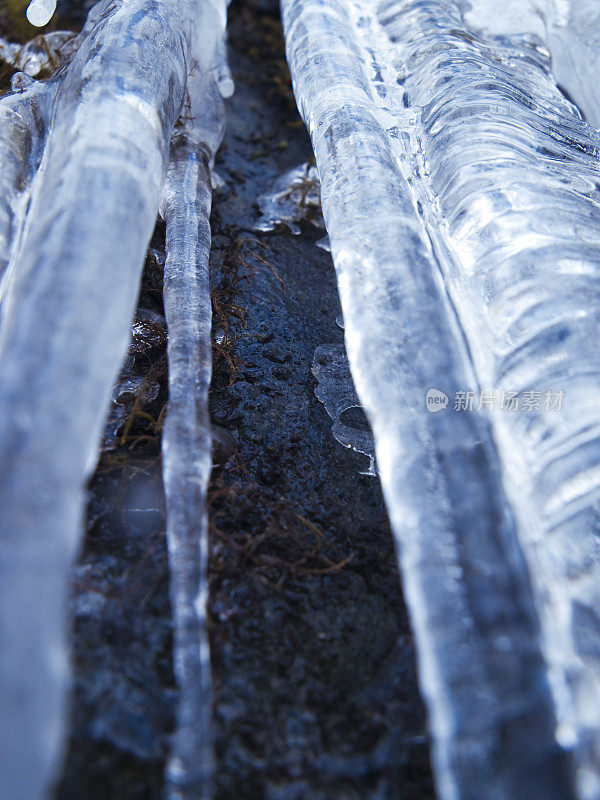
(315, 686)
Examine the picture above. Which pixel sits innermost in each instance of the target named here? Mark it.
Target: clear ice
(292, 197)
(460, 190)
(83, 160)
(335, 389)
(460, 187)
(186, 442)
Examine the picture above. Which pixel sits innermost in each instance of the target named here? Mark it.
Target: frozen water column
(508, 178)
(186, 441)
(481, 666)
(65, 322)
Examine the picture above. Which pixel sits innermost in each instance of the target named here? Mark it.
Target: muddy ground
(313, 660)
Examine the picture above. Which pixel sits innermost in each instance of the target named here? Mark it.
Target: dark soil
(313, 660)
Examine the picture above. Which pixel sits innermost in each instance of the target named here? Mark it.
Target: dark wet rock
(277, 355)
(74, 10)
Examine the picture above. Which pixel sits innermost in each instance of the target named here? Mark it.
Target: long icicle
(74, 280)
(515, 224)
(186, 442)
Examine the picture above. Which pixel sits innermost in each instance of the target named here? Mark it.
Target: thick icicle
(515, 223)
(74, 279)
(186, 439)
(480, 649)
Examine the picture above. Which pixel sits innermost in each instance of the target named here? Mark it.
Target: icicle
(515, 222)
(186, 435)
(40, 12)
(74, 279)
(481, 653)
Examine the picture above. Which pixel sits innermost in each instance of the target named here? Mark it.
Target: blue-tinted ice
(460, 189)
(85, 161)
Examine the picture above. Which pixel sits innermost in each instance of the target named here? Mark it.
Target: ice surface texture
(335, 389)
(460, 192)
(570, 30)
(68, 296)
